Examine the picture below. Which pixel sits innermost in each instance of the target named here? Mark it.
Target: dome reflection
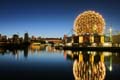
(89, 70)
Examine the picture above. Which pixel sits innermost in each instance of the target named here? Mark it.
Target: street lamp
(110, 34)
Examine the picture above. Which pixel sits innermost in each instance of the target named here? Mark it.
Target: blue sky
(52, 18)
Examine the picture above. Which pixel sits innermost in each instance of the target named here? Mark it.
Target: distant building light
(94, 45)
(68, 44)
(107, 45)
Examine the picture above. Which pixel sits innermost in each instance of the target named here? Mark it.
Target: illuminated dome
(89, 22)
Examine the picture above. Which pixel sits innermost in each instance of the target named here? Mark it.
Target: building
(88, 40)
(15, 39)
(26, 38)
(116, 40)
(0, 37)
(4, 38)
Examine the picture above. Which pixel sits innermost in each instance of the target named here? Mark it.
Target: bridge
(53, 40)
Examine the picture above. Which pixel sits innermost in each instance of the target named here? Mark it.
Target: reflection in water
(88, 66)
(77, 65)
(50, 49)
(25, 52)
(2, 51)
(28, 50)
(36, 48)
(14, 52)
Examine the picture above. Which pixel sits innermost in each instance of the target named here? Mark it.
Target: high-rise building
(26, 37)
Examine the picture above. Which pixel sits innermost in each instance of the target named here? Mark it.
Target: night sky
(52, 18)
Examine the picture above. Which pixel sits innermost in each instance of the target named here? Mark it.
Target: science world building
(89, 29)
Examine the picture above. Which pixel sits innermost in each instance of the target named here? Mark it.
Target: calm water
(47, 63)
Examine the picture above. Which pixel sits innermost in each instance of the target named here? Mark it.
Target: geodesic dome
(89, 22)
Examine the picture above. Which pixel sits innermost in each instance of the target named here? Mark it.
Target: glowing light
(107, 44)
(110, 68)
(107, 53)
(80, 39)
(110, 29)
(89, 22)
(68, 44)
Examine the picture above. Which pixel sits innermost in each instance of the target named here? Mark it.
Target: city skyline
(52, 18)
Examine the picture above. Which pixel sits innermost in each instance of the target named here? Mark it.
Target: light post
(110, 34)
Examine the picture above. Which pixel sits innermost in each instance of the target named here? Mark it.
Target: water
(47, 63)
